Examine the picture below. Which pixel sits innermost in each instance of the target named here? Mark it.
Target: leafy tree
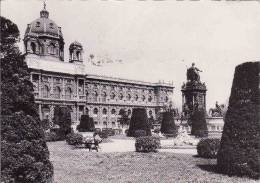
(24, 154)
(17, 90)
(139, 121)
(124, 118)
(62, 117)
(86, 124)
(239, 152)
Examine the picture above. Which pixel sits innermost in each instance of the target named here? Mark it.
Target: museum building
(67, 83)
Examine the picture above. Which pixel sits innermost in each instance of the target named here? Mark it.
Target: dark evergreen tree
(239, 152)
(168, 125)
(86, 124)
(139, 121)
(24, 154)
(62, 117)
(17, 90)
(198, 123)
(124, 118)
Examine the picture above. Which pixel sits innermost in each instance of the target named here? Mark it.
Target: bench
(92, 145)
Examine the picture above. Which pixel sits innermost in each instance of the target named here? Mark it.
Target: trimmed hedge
(239, 152)
(168, 126)
(208, 148)
(139, 121)
(147, 144)
(86, 124)
(198, 123)
(74, 139)
(24, 153)
(108, 131)
(140, 133)
(52, 136)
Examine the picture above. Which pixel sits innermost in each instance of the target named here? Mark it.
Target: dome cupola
(76, 51)
(43, 37)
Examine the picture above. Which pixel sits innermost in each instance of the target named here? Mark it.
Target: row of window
(52, 49)
(56, 92)
(120, 97)
(95, 86)
(113, 111)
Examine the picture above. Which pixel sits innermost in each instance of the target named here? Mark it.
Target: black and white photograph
(130, 91)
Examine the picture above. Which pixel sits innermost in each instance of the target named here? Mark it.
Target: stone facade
(60, 83)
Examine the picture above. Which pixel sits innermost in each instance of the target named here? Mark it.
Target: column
(40, 111)
(40, 85)
(51, 115)
(73, 117)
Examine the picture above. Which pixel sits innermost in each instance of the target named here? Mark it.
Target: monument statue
(193, 92)
(217, 111)
(193, 73)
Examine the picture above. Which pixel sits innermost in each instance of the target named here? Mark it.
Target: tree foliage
(124, 117)
(86, 124)
(24, 154)
(139, 121)
(198, 123)
(168, 125)
(239, 152)
(17, 90)
(62, 117)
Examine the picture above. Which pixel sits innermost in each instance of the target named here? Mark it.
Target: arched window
(121, 96)
(68, 93)
(95, 111)
(104, 96)
(150, 99)
(95, 96)
(136, 97)
(113, 124)
(128, 97)
(57, 92)
(166, 99)
(78, 55)
(129, 112)
(87, 111)
(45, 112)
(143, 98)
(51, 49)
(104, 111)
(113, 111)
(112, 95)
(46, 92)
(150, 112)
(33, 47)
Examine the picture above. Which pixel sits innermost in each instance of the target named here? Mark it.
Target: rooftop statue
(193, 73)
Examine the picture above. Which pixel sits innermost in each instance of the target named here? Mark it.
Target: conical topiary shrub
(86, 124)
(198, 123)
(139, 121)
(239, 152)
(168, 125)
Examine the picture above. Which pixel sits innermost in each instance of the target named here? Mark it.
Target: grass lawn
(80, 166)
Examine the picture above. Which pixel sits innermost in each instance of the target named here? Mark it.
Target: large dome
(43, 26)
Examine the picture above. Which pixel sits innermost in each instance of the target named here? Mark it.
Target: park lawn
(80, 166)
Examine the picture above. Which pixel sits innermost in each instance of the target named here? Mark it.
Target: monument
(193, 92)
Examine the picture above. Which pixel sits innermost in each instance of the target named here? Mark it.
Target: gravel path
(128, 145)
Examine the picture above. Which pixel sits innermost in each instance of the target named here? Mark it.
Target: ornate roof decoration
(43, 26)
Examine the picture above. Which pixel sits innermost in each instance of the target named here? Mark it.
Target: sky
(156, 40)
